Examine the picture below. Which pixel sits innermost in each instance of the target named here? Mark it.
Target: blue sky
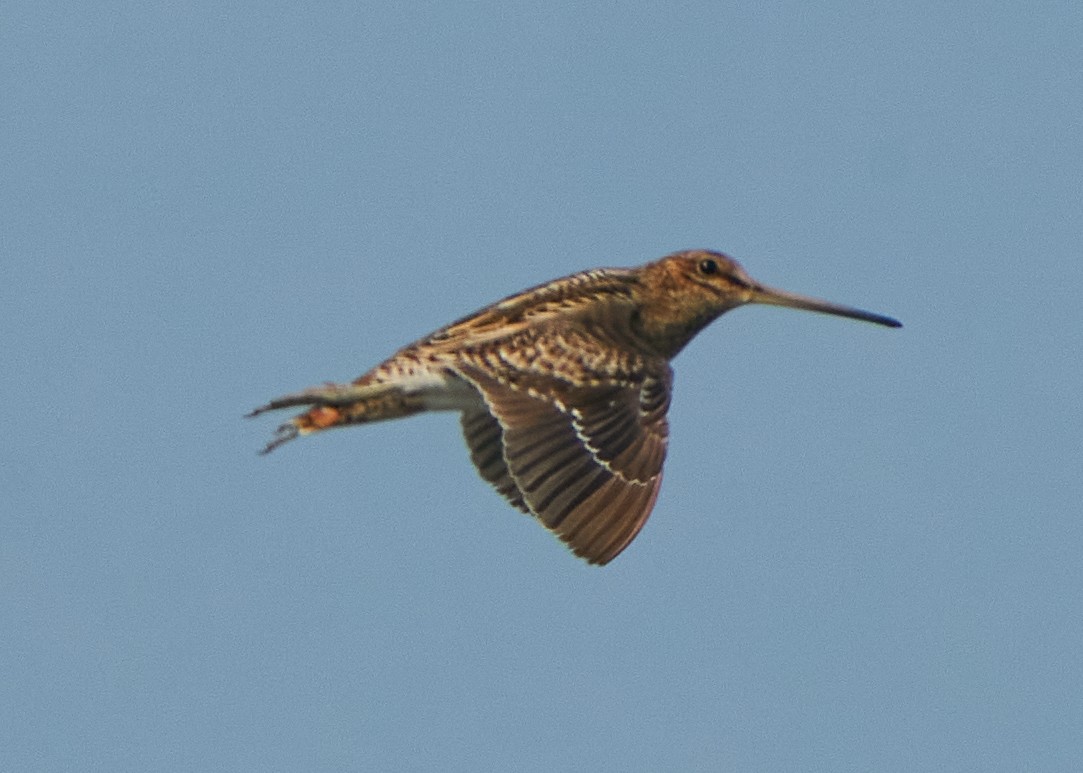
(866, 554)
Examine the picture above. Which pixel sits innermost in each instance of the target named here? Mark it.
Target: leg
(339, 405)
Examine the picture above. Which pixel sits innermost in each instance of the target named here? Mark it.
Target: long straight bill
(773, 297)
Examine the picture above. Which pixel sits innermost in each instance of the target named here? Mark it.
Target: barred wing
(585, 460)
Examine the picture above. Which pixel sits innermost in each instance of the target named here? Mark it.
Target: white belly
(440, 391)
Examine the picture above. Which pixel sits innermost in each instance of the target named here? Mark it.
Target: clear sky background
(866, 554)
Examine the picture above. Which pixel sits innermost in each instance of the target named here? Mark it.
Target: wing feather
(586, 460)
(484, 437)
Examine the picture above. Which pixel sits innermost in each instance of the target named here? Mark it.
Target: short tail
(338, 405)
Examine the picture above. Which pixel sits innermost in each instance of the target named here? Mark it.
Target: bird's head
(684, 292)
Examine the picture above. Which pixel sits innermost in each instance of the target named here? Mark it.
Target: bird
(562, 389)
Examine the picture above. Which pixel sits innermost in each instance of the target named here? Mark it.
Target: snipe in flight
(563, 388)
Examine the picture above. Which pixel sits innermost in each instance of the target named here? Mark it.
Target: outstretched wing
(485, 438)
(586, 460)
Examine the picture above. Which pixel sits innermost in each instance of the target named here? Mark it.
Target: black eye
(708, 266)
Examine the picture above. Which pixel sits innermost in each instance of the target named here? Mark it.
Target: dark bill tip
(773, 297)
